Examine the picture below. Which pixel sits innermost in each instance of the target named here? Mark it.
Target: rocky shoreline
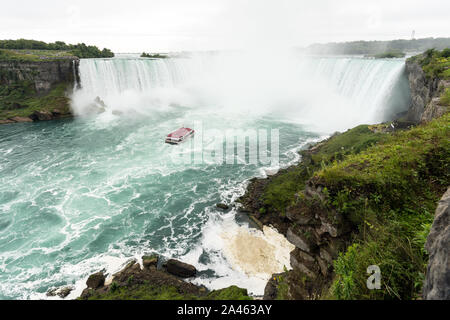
(37, 116)
(318, 235)
(154, 280)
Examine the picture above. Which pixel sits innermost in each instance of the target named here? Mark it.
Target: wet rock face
(180, 269)
(437, 282)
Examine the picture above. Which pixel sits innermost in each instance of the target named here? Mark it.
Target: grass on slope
(389, 192)
(147, 291)
(435, 64)
(34, 55)
(280, 192)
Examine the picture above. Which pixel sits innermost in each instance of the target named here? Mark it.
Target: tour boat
(179, 135)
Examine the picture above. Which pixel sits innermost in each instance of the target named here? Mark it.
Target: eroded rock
(180, 269)
(96, 280)
(150, 261)
(223, 206)
(301, 241)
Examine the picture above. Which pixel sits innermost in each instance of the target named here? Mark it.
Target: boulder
(96, 280)
(222, 206)
(41, 116)
(64, 292)
(100, 102)
(51, 292)
(180, 269)
(150, 261)
(61, 292)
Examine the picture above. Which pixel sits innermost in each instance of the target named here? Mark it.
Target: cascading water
(329, 93)
(79, 196)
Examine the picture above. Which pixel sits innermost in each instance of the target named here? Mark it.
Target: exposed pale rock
(437, 282)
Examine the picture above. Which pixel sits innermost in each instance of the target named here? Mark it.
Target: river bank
(360, 198)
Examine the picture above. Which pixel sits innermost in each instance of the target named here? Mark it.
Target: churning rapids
(78, 196)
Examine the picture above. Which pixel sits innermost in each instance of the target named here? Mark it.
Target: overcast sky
(171, 25)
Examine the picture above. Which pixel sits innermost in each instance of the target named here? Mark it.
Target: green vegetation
(389, 192)
(230, 293)
(154, 56)
(378, 47)
(33, 55)
(387, 186)
(147, 291)
(390, 54)
(445, 97)
(435, 63)
(279, 194)
(20, 99)
(80, 50)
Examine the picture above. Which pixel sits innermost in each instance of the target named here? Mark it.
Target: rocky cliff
(425, 93)
(36, 89)
(44, 74)
(437, 282)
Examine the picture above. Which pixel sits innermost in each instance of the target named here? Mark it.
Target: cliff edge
(429, 81)
(36, 88)
(437, 282)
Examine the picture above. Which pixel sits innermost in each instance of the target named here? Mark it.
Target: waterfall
(331, 92)
(104, 77)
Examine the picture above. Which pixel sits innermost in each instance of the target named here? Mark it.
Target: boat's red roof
(179, 133)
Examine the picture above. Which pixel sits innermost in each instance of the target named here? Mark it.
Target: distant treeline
(80, 50)
(155, 56)
(379, 47)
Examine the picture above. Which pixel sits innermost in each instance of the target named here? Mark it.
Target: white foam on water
(239, 255)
